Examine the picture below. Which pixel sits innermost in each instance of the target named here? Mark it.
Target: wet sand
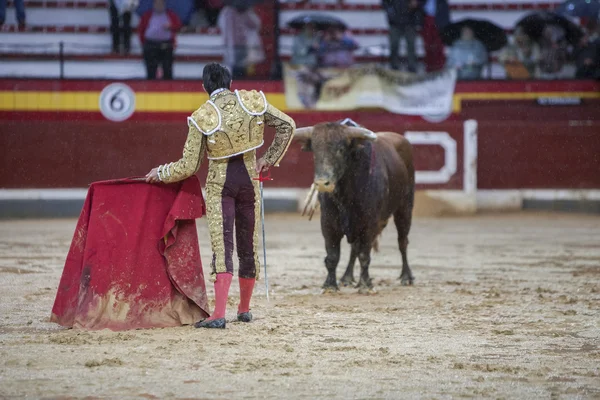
(504, 306)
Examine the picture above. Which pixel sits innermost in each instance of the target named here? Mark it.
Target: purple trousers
(233, 203)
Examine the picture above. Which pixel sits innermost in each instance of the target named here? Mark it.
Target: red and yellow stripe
(184, 97)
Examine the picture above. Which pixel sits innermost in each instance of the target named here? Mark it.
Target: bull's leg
(348, 277)
(333, 238)
(332, 246)
(403, 219)
(364, 258)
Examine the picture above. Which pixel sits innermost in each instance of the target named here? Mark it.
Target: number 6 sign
(117, 102)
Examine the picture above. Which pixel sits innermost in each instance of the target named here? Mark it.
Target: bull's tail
(376, 245)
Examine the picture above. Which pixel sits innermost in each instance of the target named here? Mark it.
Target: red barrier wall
(539, 155)
(44, 154)
(520, 144)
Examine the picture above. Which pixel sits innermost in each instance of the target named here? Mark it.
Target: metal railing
(63, 50)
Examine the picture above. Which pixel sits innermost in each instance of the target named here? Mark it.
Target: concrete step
(377, 19)
(94, 69)
(319, 4)
(355, 19)
(98, 43)
(130, 68)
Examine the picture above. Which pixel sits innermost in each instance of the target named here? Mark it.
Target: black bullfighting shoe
(218, 323)
(245, 317)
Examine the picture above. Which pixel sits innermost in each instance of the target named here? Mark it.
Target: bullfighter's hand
(152, 176)
(262, 166)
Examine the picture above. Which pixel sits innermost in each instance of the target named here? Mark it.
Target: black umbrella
(533, 26)
(491, 35)
(242, 4)
(321, 22)
(580, 8)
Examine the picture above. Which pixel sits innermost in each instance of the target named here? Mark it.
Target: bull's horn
(303, 133)
(360, 133)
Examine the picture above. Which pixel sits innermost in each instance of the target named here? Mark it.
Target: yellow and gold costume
(230, 127)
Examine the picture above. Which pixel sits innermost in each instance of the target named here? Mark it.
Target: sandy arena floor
(504, 307)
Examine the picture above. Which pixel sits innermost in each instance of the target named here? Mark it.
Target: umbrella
(533, 25)
(183, 9)
(321, 22)
(242, 4)
(580, 8)
(492, 36)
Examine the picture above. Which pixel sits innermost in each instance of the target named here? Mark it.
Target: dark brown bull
(363, 179)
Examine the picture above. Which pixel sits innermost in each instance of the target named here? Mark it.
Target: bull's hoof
(365, 286)
(406, 281)
(366, 290)
(330, 289)
(347, 281)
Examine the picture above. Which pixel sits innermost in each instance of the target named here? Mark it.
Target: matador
(229, 127)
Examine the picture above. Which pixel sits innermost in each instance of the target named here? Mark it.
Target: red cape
(134, 261)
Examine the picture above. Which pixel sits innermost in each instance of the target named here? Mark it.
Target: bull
(363, 179)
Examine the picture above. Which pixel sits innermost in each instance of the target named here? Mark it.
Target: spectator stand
(71, 39)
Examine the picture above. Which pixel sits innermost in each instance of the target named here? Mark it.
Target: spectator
(524, 52)
(587, 57)
(157, 29)
(305, 59)
(336, 49)
(19, 10)
(120, 23)
(404, 18)
(305, 47)
(237, 23)
(468, 55)
(211, 8)
(553, 53)
(437, 16)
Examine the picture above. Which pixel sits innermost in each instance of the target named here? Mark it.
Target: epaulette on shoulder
(207, 118)
(252, 101)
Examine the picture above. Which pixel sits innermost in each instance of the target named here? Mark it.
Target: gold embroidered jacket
(228, 124)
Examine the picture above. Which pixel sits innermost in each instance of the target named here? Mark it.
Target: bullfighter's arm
(284, 133)
(188, 165)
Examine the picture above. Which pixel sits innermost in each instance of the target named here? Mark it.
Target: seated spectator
(522, 52)
(337, 49)
(120, 24)
(237, 24)
(305, 47)
(158, 29)
(587, 57)
(553, 53)
(305, 59)
(468, 55)
(19, 10)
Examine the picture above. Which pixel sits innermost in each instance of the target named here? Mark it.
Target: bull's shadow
(363, 179)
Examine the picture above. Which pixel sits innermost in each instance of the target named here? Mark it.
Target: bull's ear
(355, 144)
(303, 136)
(306, 145)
